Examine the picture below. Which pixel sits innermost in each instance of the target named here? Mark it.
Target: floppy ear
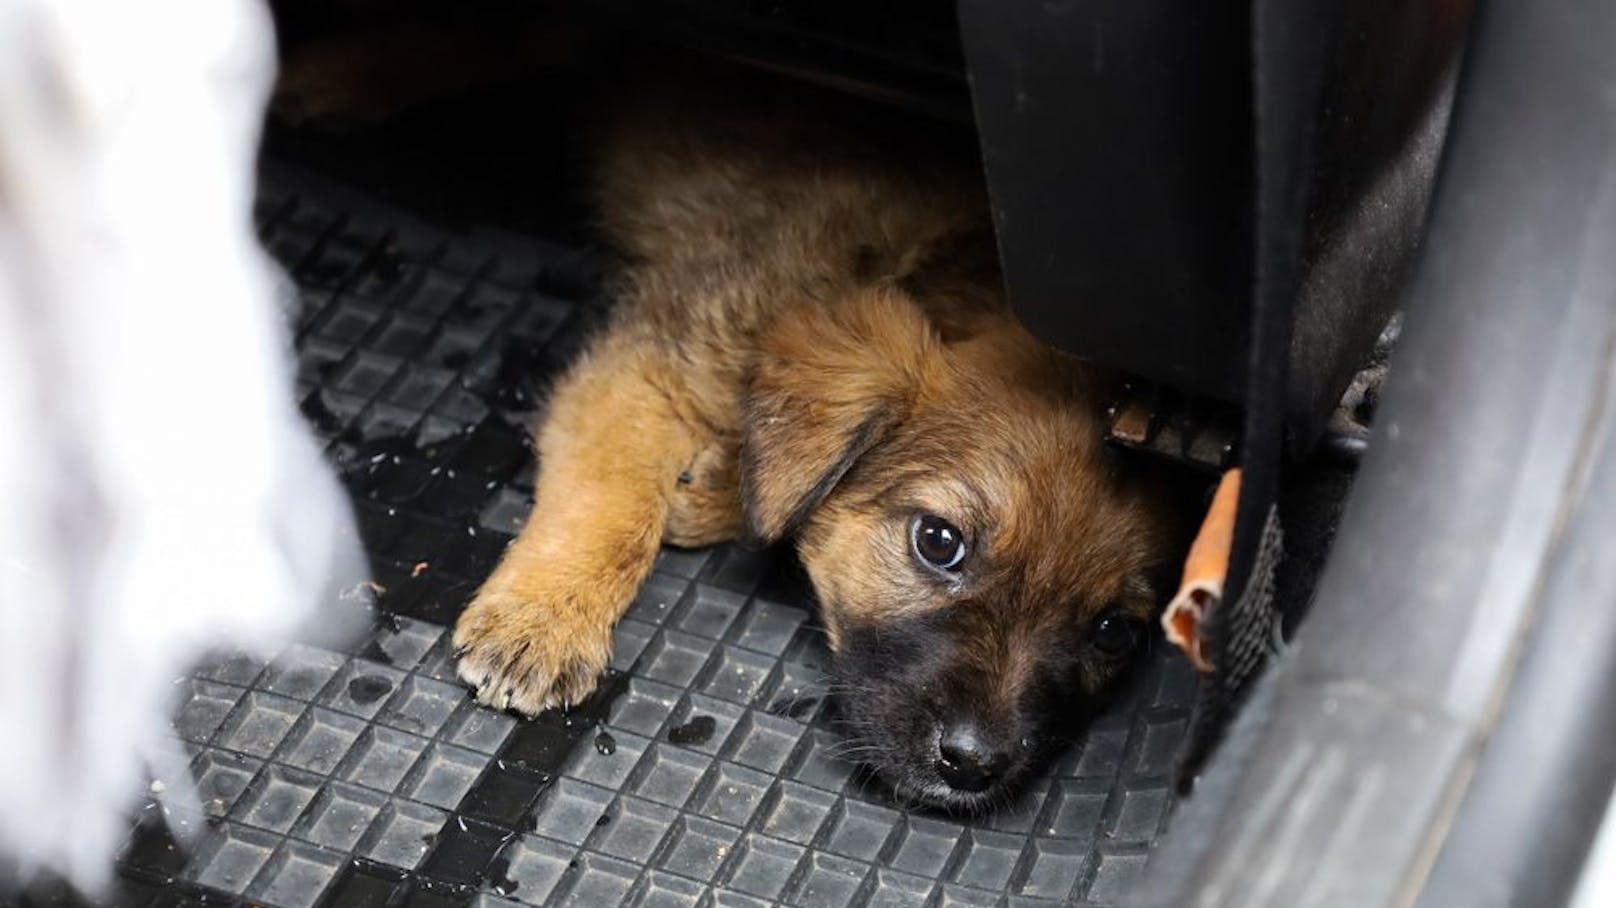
(832, 381)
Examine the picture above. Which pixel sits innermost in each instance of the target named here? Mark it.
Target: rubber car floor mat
(703, 773)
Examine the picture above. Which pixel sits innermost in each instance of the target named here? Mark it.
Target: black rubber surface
(704, 772)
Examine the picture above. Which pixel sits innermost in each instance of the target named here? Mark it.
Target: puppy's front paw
(529, 655)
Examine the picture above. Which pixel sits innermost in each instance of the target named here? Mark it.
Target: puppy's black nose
(966, 760)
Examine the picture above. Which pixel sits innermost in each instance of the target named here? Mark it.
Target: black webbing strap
(1291, 43)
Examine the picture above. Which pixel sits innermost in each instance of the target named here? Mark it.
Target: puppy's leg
(705, 507)
(611, 452)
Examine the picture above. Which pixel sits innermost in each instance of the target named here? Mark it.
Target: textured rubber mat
(703, 773)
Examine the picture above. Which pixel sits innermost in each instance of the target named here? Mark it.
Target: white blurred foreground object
(158, 492)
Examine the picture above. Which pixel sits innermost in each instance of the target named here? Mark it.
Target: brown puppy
(810, 342)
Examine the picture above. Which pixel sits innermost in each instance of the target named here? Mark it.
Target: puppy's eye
(1117, 634)
(937, 542)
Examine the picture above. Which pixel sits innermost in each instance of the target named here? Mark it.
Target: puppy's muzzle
(970, 758)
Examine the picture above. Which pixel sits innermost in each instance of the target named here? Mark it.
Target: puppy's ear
(832, 381)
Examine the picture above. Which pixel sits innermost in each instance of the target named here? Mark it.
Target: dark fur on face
(1003, 655)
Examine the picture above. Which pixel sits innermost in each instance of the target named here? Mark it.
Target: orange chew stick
(1205, 569)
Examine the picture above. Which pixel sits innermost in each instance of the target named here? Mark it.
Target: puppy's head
(982, 565)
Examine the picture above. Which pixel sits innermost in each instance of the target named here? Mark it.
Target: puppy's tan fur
(810, 341)
(798, 308)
